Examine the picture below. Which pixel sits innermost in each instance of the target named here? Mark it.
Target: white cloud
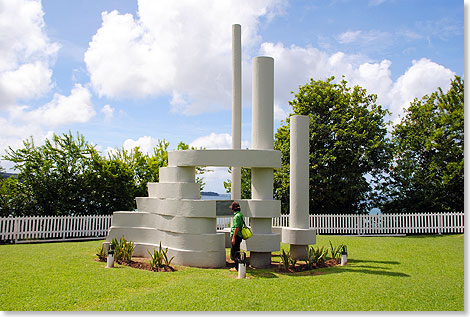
(216, 141)
(181, 49)
(349, 36)
(108, 112)
(26, 58)
(145, 143)
(294, 66)
(422, 78)
(75, 108)
(25, 52)
(365, 38)
(280, 113)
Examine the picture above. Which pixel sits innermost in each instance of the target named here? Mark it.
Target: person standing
(236, 233)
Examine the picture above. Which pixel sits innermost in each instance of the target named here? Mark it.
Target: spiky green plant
(123, 250)
(156, 261)
(160, 258)
(292, 261)
(336, 252)
(285, 259)
(101, 253)
(316, 256)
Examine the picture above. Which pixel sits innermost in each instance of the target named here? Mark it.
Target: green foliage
(102, 254)
(316, 256)
(245, 183)
(122, 250)
(427, 173)
(159, 259)
(285, 259)
(347, 143)
(156, 261)
(292, 261)
(52, 177)
(68, 176)
(336, 252)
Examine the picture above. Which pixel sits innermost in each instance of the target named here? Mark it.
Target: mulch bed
(144, 264)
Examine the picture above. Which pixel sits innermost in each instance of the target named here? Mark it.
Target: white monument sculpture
(174, 215)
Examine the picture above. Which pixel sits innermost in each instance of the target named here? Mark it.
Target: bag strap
(244, 224)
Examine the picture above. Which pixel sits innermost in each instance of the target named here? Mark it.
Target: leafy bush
(160, 259)
(102, 254)
(316, 256)
(122, 250)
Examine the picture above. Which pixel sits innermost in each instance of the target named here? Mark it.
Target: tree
(68, 176)
(427, 173)
(348, 145)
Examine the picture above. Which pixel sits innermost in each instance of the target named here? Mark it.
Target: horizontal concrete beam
(181, 241)
(203, 259)
(253, 208)
(177, 174)
(176, 224)
(298, 236)
(177, 207)
(237, 158)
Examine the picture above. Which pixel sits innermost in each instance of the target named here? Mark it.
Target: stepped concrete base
(203, 259)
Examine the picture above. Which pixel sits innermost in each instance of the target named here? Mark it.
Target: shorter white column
(298, 235)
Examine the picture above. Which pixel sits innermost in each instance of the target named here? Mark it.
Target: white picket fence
(54, 227)
(383, 224)
(84, 227)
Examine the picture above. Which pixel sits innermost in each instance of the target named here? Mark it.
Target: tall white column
(262, 138)
(236, 106)
(262, 103)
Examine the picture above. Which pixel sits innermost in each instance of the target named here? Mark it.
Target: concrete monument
(174, 215)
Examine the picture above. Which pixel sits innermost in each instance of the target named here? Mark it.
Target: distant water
(220, 197)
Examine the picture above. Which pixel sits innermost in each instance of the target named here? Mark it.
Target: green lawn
(383, 273)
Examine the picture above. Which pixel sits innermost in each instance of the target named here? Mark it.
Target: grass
(424, 273)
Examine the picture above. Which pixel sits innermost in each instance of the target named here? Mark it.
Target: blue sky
(126, 73)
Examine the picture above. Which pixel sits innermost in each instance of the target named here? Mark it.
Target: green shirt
(237, 223)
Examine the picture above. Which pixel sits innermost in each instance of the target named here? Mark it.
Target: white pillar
(262, 138)
(262, 103)
(236, 106)
(299, 172)
(299, 235)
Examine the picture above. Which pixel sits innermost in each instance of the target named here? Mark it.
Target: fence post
(439, 223)
(16, 230)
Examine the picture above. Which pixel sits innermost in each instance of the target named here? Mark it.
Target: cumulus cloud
(296, 65)
(26, 52)
(179, 49)
(75, 108)
(108, 112)
(145, 143)
(216, 141)
(422, 78)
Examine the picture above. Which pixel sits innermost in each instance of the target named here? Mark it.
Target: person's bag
(246, 231)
